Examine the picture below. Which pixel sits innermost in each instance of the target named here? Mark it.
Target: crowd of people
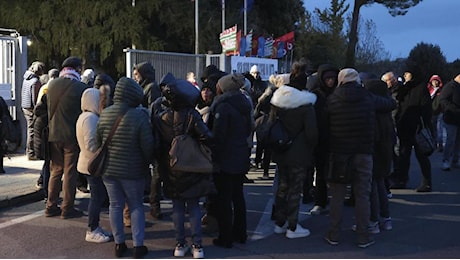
(348, 129)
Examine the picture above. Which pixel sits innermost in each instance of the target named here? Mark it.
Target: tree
(322, 38)
(370, 49)
(395, 7)
(99, 30)
(429, 60)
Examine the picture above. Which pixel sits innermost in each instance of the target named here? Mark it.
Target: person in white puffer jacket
(86, 137)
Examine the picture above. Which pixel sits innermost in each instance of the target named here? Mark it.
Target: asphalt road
(425, 225)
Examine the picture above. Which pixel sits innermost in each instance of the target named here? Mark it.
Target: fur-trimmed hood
(289, 97)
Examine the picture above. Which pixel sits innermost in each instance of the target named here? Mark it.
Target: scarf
(70, 73)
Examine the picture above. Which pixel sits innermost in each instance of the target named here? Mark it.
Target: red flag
(288, 38)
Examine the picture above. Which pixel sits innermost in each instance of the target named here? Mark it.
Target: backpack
(10, 130)
(278, 137)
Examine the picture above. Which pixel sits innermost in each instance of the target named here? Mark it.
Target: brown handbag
(187, 154)
(97, 163)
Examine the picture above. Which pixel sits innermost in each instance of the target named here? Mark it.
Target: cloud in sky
(433, 22)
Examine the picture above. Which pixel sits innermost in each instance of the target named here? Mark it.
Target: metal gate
(13, 64)
(179, 64)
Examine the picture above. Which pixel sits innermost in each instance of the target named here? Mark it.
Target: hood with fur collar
(289, 97)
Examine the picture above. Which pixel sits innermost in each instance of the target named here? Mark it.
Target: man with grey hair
(29, 93)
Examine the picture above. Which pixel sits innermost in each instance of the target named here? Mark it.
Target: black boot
(140, 252)
(120, 249)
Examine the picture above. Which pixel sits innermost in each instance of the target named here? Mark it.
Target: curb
(22, 199)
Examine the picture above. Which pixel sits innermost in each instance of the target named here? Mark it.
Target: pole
(196, 27)
(223, 15)
(197, 59)
(245, 16)
(133, 3)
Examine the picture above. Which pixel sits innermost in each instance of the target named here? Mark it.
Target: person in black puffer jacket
(184, 188)
(351, 125)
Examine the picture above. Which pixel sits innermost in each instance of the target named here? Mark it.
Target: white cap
(254, 69)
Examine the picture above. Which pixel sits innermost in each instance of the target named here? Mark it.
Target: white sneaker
(280, 230)
(197, 251)
(181, 250)
(96, 237)
(298, 232)
(317, 210)
(105, 232)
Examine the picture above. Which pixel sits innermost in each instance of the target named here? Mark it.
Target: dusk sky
(431, 21)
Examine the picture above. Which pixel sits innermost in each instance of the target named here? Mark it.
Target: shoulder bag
(97, 163)
(424, 140)
(187, 154)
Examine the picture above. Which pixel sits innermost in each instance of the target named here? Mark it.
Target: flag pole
(245, 16)
(223, 15)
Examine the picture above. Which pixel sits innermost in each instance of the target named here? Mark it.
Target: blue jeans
(98, 196)
(178, 217)
(452, 147)
(379, 200)
(132, 192)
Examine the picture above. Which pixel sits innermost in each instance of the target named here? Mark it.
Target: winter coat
(178, 184)
(30, 87)
(414, 102)
(450, 101)
(63, 119)
(131, 148)
(233, 123)
(211, 74)
(322, 91)
(435, 94)
(296, 112)
(351, 118)
(41, 148)
(150, 87)
(385, 135)
(86, 128)
(172, 122)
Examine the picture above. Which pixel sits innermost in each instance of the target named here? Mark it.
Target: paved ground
(425, 225)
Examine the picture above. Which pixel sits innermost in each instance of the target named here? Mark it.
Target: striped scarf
(69, 72)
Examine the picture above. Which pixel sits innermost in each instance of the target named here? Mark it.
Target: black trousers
(231, 204)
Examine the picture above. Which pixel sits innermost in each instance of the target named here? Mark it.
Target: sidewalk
(17, 185)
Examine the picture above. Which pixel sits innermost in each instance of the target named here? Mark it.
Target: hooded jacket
(172, 122)
(30, 87)
(148, 84)
(232, 124)
(295, 110)
(86, 127)
(131, 148)
(322, 91)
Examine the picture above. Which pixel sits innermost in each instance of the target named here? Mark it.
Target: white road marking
(22, 219)
(266, 225)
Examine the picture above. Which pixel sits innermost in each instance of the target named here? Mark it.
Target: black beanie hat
(73, 62)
